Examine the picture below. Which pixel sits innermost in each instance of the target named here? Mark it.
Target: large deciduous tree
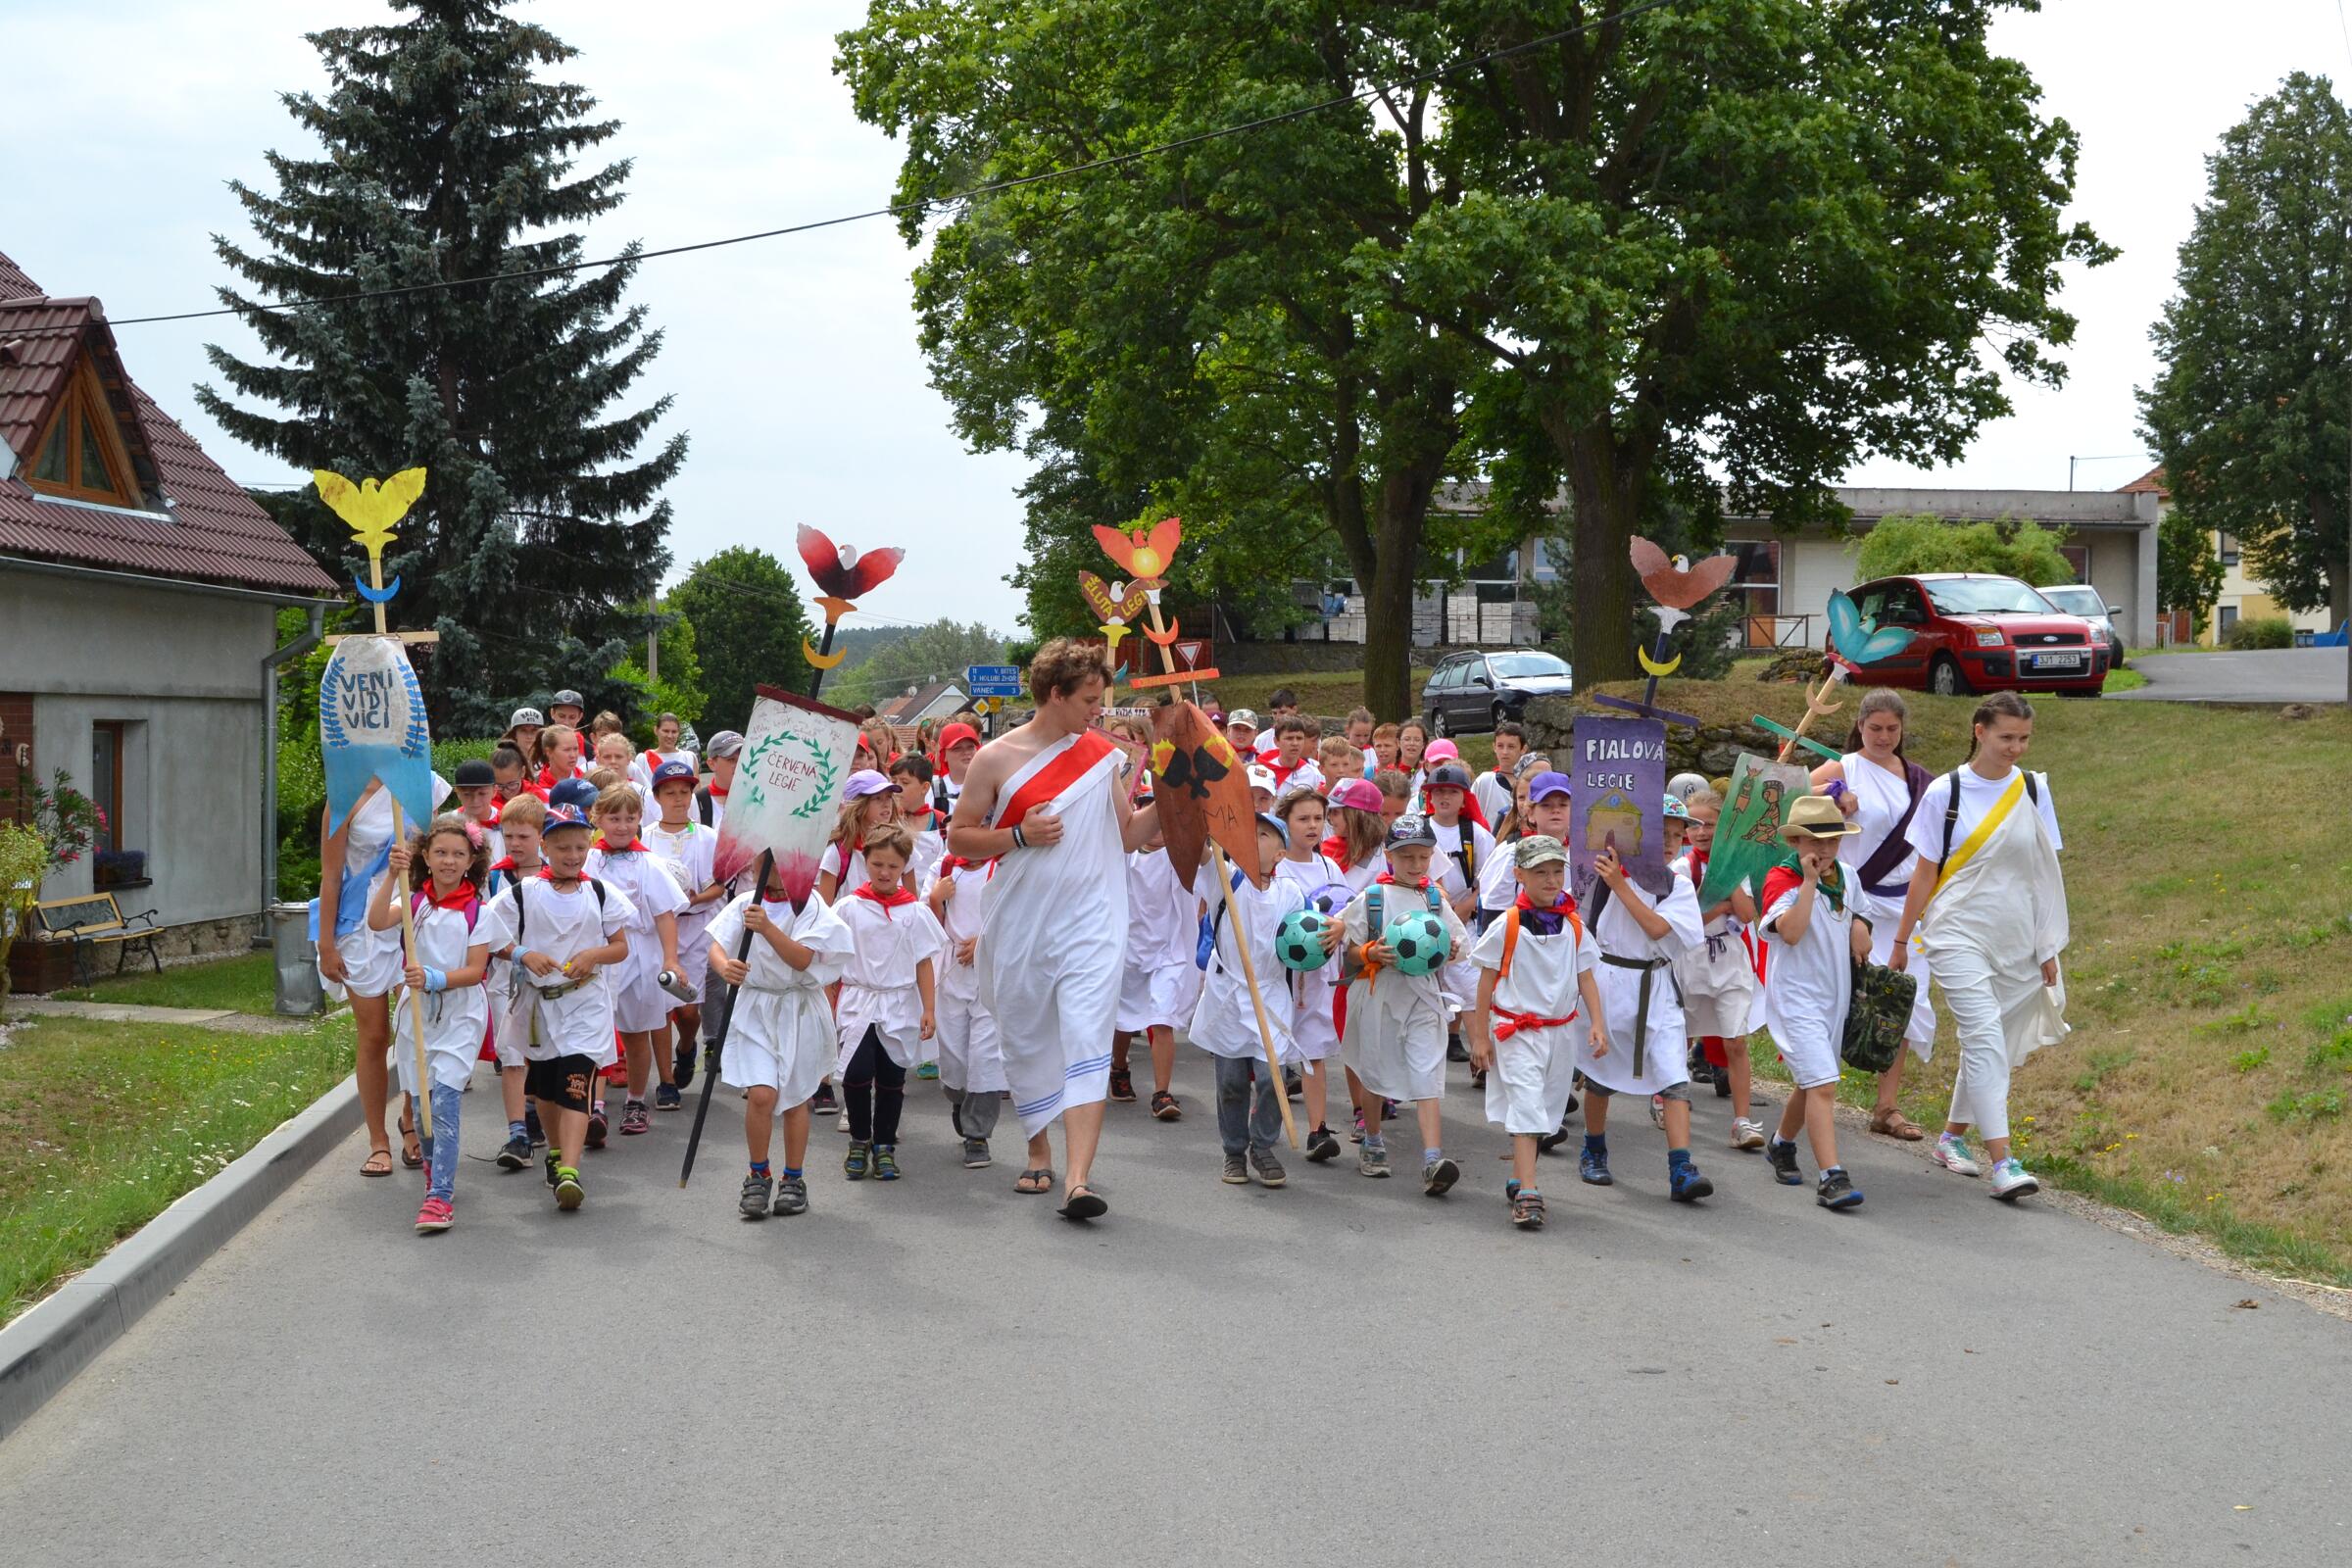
(748, 630)
(2250, 412)
(443, 154)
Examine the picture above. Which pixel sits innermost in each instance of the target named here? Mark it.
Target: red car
(1976, 632)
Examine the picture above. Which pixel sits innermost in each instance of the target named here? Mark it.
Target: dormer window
(82, 456)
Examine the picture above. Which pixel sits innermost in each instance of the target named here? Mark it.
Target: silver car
(2080, 598)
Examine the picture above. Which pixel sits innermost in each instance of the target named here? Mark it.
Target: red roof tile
(213, 533)
(2150, 482)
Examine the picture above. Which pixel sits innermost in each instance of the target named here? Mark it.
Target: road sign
(993, 680)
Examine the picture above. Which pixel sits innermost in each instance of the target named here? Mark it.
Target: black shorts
(562, 1081)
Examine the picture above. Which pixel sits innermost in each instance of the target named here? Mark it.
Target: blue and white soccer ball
(1299, 939)
(1332, 898)
(1419, 940)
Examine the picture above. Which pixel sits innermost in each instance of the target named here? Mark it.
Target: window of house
(118, 785)
(2077, 557)
(1757, 577)
(2229, 618)
(106, 782)
(2226, 544)
(82, 456)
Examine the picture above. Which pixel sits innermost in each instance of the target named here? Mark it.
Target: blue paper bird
(1855, 640)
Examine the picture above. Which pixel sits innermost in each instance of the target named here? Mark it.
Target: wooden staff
(1814, 708)
(1241, 927)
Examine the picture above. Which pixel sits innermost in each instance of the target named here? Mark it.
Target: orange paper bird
(1673, 580)
(1140, 554)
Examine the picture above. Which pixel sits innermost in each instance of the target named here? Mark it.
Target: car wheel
(1436, 722)
(1944, 678)
(1498, 717)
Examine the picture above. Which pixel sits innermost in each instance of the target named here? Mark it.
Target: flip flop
(369, 1167)
(1085, 1203)
(1033, 1183)
(411, 1147)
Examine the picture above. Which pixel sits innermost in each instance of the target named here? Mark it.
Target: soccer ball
(1332, 898)
(1299, 939)
(1419, 940)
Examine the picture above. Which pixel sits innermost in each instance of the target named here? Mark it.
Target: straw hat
(1816, 816)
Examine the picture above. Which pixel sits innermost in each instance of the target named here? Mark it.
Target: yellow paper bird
(372, 506)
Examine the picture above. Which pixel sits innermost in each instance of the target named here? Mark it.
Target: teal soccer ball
(1419, 940)
(1299, 939)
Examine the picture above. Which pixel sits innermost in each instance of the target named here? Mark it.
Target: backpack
(1204, 944)
(703, 806)
(1876, 1016)
(1375, 922)
(1951, 811)
(473, 908)
(1510, 938)
(520, 912)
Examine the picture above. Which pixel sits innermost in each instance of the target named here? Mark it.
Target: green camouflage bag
(1876, 1016)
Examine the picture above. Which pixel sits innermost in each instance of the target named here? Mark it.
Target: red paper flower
(842, 573)
(1140, 554)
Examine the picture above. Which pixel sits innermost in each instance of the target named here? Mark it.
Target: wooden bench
(93, 921)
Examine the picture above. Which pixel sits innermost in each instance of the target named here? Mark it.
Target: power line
(900, 209)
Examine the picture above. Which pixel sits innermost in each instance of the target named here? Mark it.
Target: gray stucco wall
(186, 669)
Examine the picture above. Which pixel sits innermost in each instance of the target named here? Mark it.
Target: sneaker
(1951, 1152)
(681, 1068)
(1122, 1088)
(792, 1195)
(597, 1125)
(1388, 1111)
(1455, 1050)
(1372, 1160)
(857, 1161)
(1593, 1164)
(1684, 1185)
(2011, 1181)
(1657, 1111)
(886, 1163)
(975, 1154)
(531, 1128)
(1293, 1086)
(1439, 1176)
(1266, 1168)
(757, 1191)
(1746, 1134)
(635, 1119)
(436, 1215)
(516, 1153)
(841, 1123)
(1837, 1189)
(570, 1193)
(1527, 1207)
(1553, 1140)
(667, 1097)
(1321, 1145)
(1781, 1157)
(1164, 1107)
(1237, 1171)
(1478, 1078)
(552, 1169)
(1356, 1134)
(824, 1102)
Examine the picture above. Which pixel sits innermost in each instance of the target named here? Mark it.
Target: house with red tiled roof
(2240, 596)
(139, 591)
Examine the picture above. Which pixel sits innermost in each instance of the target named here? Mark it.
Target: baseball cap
(1549, 784)
(955, 735)
(1241, 716)
(1685, 785)
(1410, 829)
(522, 717)
(564, 699)
(1676, 809)
(674, 773)
(1273, 824)
(726, 743)
(865, 782)
(1261, 777)
(1447, 775)
(562, 816)
(1537, 847)
(576, 792)
(472, 771)
(1441, 750)
(1357, 794)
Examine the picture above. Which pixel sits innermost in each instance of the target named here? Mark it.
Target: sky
(794, 363)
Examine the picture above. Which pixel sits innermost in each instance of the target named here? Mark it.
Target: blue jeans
(441, 1149)
(1248, 1114)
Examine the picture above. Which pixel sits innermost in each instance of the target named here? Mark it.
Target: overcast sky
(794, 361)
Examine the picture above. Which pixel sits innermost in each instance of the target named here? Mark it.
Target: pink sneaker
(634, 1120)
(435, 1215)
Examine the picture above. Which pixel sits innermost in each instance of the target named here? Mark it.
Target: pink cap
(1441, 750)
(1357, 794)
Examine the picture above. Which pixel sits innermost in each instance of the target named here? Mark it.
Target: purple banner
(1620, 791)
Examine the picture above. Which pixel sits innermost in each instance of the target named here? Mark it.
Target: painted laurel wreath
(827, 771)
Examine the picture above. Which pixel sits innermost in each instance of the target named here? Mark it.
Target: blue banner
(371, 725)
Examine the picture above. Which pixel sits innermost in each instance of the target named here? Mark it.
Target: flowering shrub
(68, 820)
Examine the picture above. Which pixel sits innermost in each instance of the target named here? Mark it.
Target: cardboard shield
(1202, 787)
(1748, 835)
(1620, 785)
(372, 725)
(797, 757)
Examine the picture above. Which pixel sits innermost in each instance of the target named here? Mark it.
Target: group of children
(568, 923)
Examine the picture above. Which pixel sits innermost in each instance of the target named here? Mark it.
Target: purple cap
(1547, 784)
(674, 773)
(865, 782)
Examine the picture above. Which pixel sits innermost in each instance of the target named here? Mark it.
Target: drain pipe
(271, 665)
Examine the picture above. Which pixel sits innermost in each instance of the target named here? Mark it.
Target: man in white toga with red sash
(1046, 802)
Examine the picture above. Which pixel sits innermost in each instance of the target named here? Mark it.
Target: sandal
(377, 1163)
(412, 1148)
(1527, 1211)
(1895, 1124)
(1034, 1182)
(1086, 1203)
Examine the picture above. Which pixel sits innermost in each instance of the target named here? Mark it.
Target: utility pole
(653, 641)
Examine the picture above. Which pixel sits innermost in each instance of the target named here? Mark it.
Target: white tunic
(371, 960)
(1718, 976)
(878, 988)
(1312, 993)
(1535, 1067)
(639, 1003)
(780, 1035)
(1461, 979)
(969, 1058)
(1808, 984)
(1394, 1041)
(1616, 933)
(688, 854)
(2000, 911)
(1880, 798)
(538, 918)
(1160, 983)
(455, 1019)
(1225, 1023)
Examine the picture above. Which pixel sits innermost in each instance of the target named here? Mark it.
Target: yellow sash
(1977, 839)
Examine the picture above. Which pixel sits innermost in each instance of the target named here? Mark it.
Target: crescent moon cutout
(1656, 670)
(820, 660)
(377, 596)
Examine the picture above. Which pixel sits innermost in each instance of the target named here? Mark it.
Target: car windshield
(2077, 600)
(1985, 596)
(1527, 666)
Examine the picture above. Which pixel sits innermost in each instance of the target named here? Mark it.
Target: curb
(41, 1351)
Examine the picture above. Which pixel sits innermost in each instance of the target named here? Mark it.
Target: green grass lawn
(246, 983)
(106, 1124)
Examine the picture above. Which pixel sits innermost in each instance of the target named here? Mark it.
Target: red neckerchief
(466, 895)
(1282, 774)
(1337, 848)
(897, 899)
(1565, 906)
(717, 792)
(949, 865)
(633, 847)
(547, 873)
(1388, 881)
(927, 815)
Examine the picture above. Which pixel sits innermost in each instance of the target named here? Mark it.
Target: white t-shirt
(1447, 862)
(1978, 796)
(563, 925)
(847, 866)
(1498, 878)
(1163, 915)
(1493, 793)
(1810, 984)
(687, 854)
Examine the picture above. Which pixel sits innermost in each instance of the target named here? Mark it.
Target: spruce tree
(444, 154)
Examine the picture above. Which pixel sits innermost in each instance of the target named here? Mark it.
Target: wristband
(1020, 841)
(434, 979)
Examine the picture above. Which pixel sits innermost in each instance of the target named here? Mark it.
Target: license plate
(2059, 661)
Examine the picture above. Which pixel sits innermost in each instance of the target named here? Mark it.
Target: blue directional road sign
(993, 680)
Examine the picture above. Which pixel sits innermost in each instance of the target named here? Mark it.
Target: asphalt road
(2268, 675)
(938, 1371)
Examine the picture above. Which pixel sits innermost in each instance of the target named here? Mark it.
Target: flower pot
(37, 968)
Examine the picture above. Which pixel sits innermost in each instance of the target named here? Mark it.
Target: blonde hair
(543, 743)
(1393, 782)
(1333, 747)
(604, 778)
(605, 723)
(1362, 832)
(848, 822)
(1708, 798)
(891, 836)
(525, 810)
(611, 798)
